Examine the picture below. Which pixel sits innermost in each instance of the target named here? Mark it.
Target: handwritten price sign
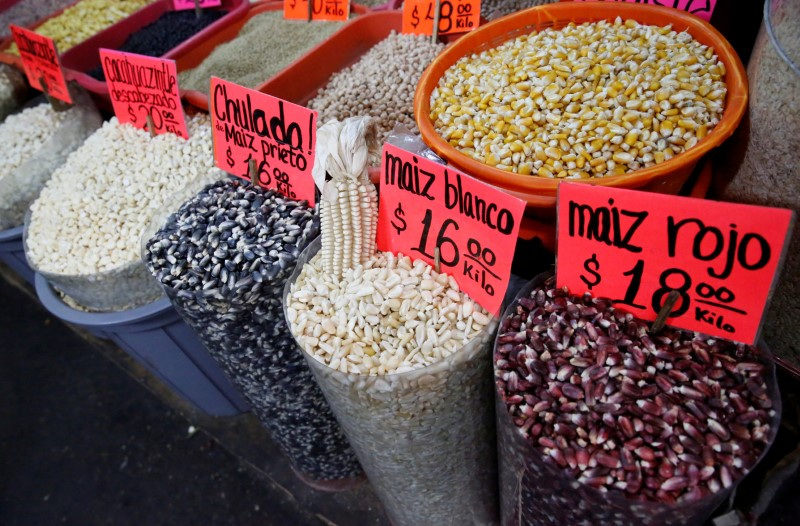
(320, 9)
(455, 16)
(424, 206)
(181, 5)
(636, 247)
(140, 86)
(41, 63)
(701, 8)
(278, 135)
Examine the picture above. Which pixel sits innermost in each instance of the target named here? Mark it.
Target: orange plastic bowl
(540, 193)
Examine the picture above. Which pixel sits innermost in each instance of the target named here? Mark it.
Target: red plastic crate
(85, 56)
(195, 55)
(14, 60)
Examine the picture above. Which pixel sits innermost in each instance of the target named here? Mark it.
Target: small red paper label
(635, 247)
(40, 62)
(280, 136)
(424, 205)
(336, 10)
(180, 5)
(455, 16)
(140, 86)
(701, 8)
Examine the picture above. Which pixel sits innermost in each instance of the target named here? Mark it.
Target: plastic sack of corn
(400, 353)
(53, 138)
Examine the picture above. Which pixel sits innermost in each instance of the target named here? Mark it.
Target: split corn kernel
(583, 101)
(83, 20)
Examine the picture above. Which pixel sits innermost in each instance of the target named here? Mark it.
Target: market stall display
(361, 362)
(265, 45)
(766, 172)
(601, 420)
(84, 231)
(82, 20)
(381, 84)
(36, 141)
(400, 352)
(223, 258)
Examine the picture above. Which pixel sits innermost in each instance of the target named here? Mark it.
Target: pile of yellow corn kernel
(588, 100)
(83, 20)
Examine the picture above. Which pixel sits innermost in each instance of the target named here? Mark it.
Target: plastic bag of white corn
(41, 140)
(13, 89)
(123, 287)
(425, 437)
(83, 233)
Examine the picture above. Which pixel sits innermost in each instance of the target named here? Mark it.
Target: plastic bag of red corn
(601, 422)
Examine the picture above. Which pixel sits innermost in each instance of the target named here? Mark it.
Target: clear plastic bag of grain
(599, 422)
(13, 90)
(83, 233)
(425, 436)
(35, 142)
(400, 352)
(223, 256)
(761, 167)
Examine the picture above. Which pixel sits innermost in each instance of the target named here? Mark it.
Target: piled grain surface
(265, 45)
(588, 100)
(380, 85)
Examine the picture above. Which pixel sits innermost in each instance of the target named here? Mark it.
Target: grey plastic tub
(157, 338)
(12, 253)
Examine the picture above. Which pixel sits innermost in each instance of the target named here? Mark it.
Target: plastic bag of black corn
(599, 421)
(223, 259)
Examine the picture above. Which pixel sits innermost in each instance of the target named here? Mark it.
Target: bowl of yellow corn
(611, 94)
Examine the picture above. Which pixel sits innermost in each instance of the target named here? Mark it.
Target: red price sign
(701, 8)
(320, 9)
(142, 86)
(425, 205)
(455, 16)
(180, 5)
(280, 136)
(41, 63)
(636, 247)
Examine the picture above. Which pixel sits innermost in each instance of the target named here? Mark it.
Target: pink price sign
(425, 205)
(635, 248)
(142, 86)
(41, 63)
(181, 5)
(701, 8)
(278, 135)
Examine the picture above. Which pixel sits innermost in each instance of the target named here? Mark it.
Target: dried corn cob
(349, 204)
